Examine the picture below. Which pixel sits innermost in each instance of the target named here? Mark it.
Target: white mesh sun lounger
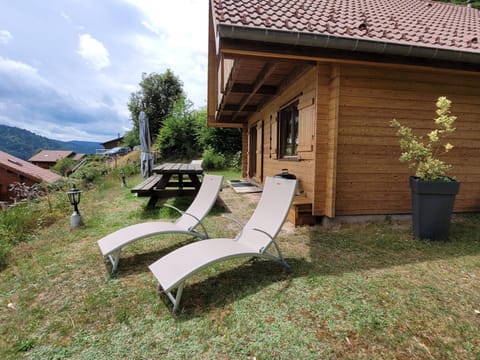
(112, 244)
(173, 269)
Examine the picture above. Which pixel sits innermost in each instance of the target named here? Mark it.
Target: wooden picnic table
(170, 179)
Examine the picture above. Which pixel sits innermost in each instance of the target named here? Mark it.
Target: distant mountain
(24, 144)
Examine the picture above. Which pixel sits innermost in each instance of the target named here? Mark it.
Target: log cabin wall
(369, 177)
(304, 168)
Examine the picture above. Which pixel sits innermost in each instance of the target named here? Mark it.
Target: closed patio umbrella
(146, 159)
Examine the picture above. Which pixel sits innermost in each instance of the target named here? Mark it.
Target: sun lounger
(173, 269)
(112, 244)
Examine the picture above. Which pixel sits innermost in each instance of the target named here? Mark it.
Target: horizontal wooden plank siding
(369, 177)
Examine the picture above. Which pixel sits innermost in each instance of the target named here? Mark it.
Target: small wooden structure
(313, 89)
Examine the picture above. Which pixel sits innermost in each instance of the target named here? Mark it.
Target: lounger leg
(280, 257)
(176, 299)
(114, 258)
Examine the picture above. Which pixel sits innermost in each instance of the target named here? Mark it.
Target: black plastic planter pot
(432, 206)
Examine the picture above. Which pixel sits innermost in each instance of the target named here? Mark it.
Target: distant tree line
(24, 144)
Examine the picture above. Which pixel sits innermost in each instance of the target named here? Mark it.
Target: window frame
(284, 122)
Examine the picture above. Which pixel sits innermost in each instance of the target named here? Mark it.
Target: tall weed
(20, 222)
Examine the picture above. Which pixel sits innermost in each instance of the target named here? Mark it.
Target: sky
(68, 67)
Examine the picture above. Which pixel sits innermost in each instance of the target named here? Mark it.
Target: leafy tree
(227, 141)
(224, 141)
(131, 138)
(178, 137)
(157, 95)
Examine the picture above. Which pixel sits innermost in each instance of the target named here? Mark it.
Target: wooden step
(301, 212)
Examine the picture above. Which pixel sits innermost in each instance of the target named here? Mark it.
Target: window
(288, 131)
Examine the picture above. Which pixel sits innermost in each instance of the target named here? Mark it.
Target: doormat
(240, 186)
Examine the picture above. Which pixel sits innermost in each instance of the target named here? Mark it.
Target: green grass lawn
(365, 291)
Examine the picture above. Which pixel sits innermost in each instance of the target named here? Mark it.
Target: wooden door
(252, 152)
(259, 152)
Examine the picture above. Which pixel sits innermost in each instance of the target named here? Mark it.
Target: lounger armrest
(174, 208)
(262, 249)
(191, 215)
(265, 233)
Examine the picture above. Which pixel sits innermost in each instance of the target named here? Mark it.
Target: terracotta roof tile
(422, 23)
(27, 169)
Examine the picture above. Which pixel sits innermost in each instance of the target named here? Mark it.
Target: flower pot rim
(418, 179)
(420, 186)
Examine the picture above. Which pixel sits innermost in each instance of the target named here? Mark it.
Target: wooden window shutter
(274, 136)
(307, 116)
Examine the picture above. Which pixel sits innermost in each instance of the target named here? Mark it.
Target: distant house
(13, 169)
(110, 144)
(314, 84)
(48, 158)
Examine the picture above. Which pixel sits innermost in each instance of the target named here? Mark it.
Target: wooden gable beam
(297, 72)
(264, 74)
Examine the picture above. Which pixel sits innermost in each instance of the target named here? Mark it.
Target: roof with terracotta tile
(27, 169)
(420, 23)
(50, 155)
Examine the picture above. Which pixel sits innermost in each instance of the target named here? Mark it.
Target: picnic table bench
(145, 188)
(168, 180)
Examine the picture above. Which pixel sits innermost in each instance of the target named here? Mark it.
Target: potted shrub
(433, 191)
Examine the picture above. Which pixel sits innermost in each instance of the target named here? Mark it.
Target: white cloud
(12, 65)
(29, 100)
(23, 73)
(178, 41)
(94, 52)
(5, 36)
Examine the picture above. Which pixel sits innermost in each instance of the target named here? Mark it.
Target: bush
(91, 171)
(178, 136)
(213, 160)
(236, 161)
(64, 166)
(224, 141)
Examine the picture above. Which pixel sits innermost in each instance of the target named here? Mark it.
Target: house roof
(109, 142)
(408, 23)
(265, 45)
(50, 155)
(26, 168)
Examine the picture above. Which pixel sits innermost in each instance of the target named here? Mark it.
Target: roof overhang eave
(347, 44)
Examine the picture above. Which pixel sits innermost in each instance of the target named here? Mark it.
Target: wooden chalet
(110, 144)
(13, 169)
(48, 158)
(314, 84)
